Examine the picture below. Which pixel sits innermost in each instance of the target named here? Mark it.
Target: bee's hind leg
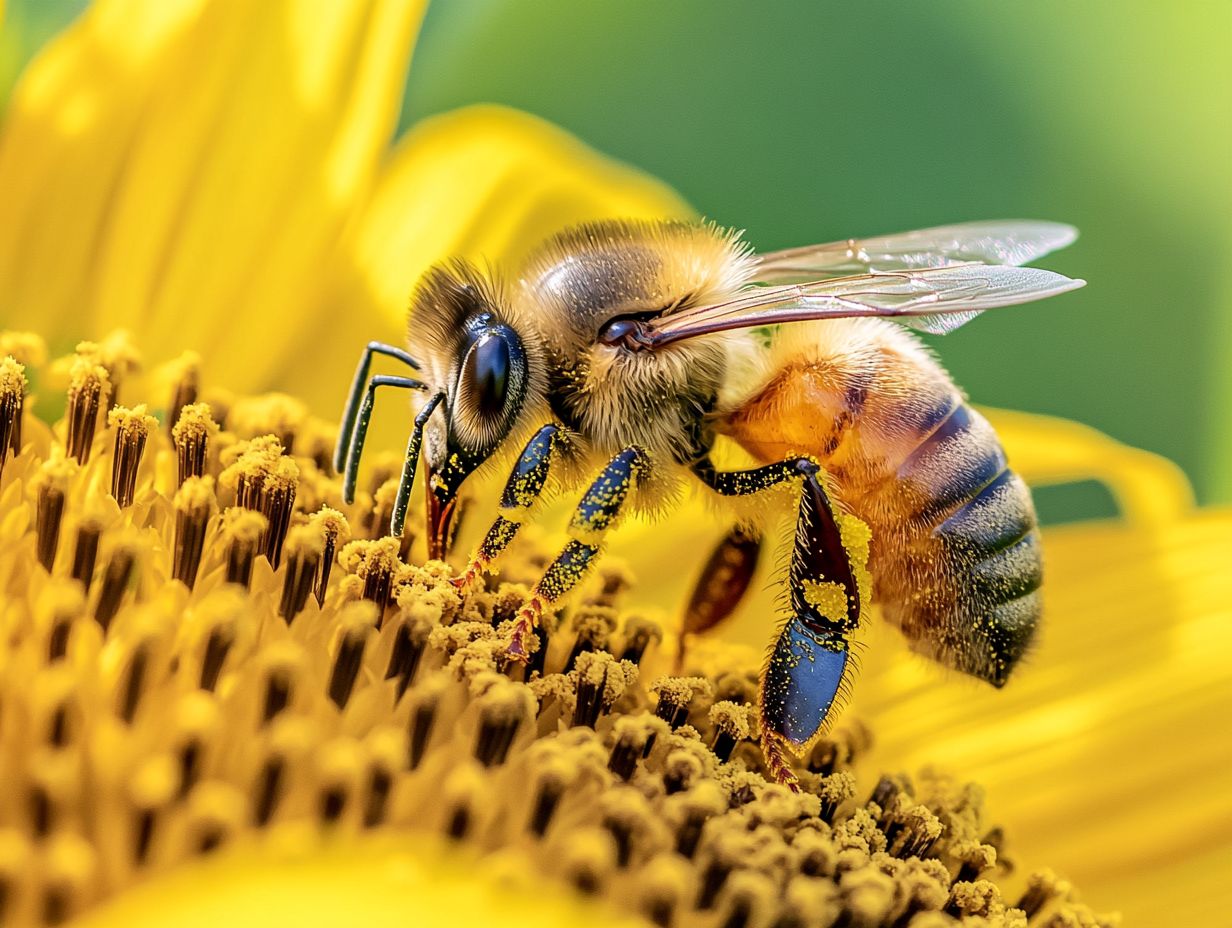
(724, 580)
(522, 490)
(593, 516)
(804, 672)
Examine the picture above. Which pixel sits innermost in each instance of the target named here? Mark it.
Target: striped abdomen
(955, 553)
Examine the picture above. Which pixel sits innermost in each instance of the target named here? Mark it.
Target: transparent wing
(936, 300)
(1001, 241)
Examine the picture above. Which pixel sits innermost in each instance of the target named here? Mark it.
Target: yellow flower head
(217, 681)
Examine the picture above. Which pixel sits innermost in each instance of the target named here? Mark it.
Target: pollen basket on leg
(218, 657)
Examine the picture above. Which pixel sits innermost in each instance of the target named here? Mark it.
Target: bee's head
(473, 353)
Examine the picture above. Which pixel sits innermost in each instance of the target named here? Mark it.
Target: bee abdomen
(975, 529)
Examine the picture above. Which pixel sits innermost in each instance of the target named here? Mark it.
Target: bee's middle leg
(593, 516)
(522, 491)
(804, 673)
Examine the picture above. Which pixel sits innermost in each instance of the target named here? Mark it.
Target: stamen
(264, 481)
(594, 626)
(194, 502)
(132, 428)
(118, 572)
(88, 385)
(305, 546)
(732, 724)
(640, 634)
(335, 530)
(410, 641)
(184, 374)
(12, 405)
(241, 533)
(600, 680)
(85, 552)
(191, 434)
(355, 628)
(377, 564)
(52, 482)
(675, 695)
(502, 709)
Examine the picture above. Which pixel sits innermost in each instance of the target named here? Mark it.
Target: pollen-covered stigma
(202, 644)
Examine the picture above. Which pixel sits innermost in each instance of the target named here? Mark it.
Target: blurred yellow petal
(1046, 450)
(485, 182)
(380, 882)
(186, 168)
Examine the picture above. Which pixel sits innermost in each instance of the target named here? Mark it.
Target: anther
(269, 785)
(85, 552)
(12, 405)
(355, 628)
(116, 575)
(191, 432)
(242, 532)
(194, 501)
(593, 626)
(503, 708)
(185, 376)
(731, 726)
(410, 641)
(305, 547)
(335, 530)
(52, 481)
(547, 798)
(134, 683)
(132, 429)
(639, 635)
(264, 481)
(89, 383)
(422, 720)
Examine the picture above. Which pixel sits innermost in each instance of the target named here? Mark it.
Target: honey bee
(626, 350)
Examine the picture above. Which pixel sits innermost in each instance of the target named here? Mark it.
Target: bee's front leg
(594, 515)
(522, 491)
(810, 661)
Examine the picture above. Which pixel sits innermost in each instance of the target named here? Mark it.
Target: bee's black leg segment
(594, 515)
(406, 482)
(359, 434)
(355, 394)
(805, 671)
(522, 490)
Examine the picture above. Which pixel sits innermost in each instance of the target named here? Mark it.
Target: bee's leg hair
(522, 490)
(807, 666)
(355, 394)
(592, 518)
(723, 582)
(360, 433)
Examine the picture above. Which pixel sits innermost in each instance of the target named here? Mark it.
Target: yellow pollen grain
(196, 422)
(134, 422)
(12, 377)
(829, 599)
(195, 494)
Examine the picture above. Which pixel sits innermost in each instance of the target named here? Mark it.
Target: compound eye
(485, 374)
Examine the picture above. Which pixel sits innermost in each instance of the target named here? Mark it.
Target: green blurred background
(805, 121)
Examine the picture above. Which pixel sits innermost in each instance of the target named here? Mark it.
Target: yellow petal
(371, 882)
(1047, 450)
(186, 168)
(485, 182)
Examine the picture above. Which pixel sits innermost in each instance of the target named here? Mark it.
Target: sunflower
(218, 178)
